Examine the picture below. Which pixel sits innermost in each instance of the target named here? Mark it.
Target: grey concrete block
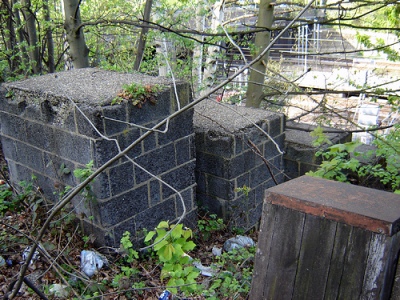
(243, 180)
(213, 204)
(103, 150)
(124, 206)
(179, 178)
(259, 175)
(90, 123)
(149, 143)
(212, 164)
(150, 112)
(118, 115)
(120, 229)
(101, 186)
(52, 168)
(159, 160)
(40, 135)
(220, 187)
(201, 182)
(126, 138)
(221, 145)
(140, 175)
(13, 126)
(72, 147)
(184, 96)
(242, 163)
(276, 125)
(154, 192)
(178, 127)
(271, 149)
(183, 150)
(150, 218)
(121, 178)
(9, 148)
(188, 199)
(29, 156)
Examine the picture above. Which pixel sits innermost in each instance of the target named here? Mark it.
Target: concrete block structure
(299, 149)
(54, 124)
(227, 143)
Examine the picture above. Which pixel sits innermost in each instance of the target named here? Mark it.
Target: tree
(78, 50)
(142, 38)
(257, 73)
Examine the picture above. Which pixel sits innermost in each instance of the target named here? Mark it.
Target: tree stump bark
(321, 239)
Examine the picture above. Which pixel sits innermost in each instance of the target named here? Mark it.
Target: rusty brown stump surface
(362, 207)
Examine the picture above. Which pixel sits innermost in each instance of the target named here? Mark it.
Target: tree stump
(321, 239)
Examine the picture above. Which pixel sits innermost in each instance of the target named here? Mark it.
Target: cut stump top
(374, 210)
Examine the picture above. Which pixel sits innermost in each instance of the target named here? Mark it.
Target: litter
(239, 241)
(2, 261)
(205, 271)
(59, 290)
(26, 253)
(166, 295)
(91, 262)
(216, 251)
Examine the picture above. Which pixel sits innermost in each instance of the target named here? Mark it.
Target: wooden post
(321, 239)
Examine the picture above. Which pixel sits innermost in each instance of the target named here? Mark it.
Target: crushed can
(165, 295)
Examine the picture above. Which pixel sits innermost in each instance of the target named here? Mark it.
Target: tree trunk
(211, 61)
(78, 50)
(49, 38)
(30, 25)
(142, 39)
(24, 62)
(10, 38)
(257, 73)
(198, 50)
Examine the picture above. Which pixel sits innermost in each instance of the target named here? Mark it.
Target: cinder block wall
(45, 135)
(299, 149)
(226, 162)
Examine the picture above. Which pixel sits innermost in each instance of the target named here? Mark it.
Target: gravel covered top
(88, 85)
(209, 113)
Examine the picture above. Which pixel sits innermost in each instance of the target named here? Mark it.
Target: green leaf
(150, 236)
(163, 224)
(167, 253)
(188, 246)
(177, 232)
(159, 245)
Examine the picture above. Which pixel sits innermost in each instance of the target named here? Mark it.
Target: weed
(127, 248)
(234, 279)
(138, 94)
(171, 244)
(341, 163)
(209, 225)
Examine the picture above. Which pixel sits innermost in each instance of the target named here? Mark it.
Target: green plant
(82, 175)
(129, 256)
(234, 279)
(137, 93)
(244, 189)
(171, 244)
(380, 169)
(209, 225)
(7, 201)
(127, 247)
